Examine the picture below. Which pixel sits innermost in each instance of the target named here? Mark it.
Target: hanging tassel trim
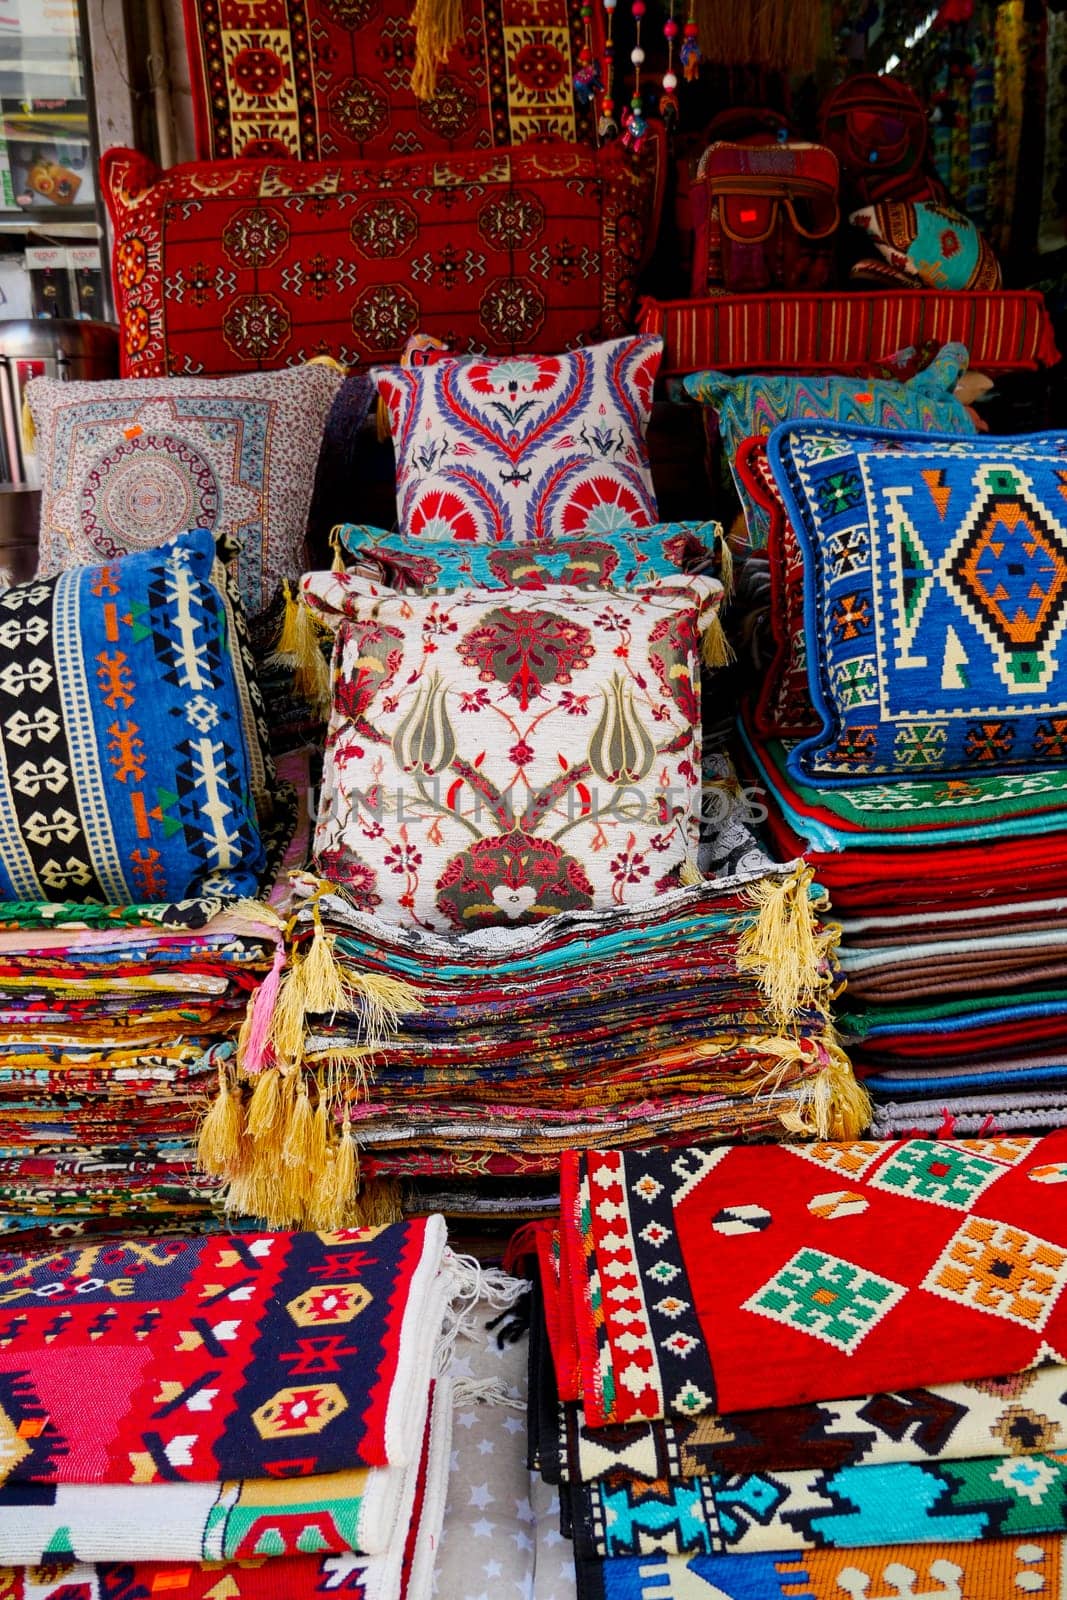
(715, 647)
(785, 947)
(438, 26)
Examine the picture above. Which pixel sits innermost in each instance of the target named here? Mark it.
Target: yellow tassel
(337, 564)
(689, 874)
(715, 648)
(299, 1144)
(325, 991)
(438, 25)
(726, 565)
(346, 1170)
(385, 1001)
(381, 416)
(220, 1146)
(832, 1104)
(378, 1203)
(784, 947)
(284, 651)
(298, 647)
(288, 1021)
(29, 428)
(265, 1106)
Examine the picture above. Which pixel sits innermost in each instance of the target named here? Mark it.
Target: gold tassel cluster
(833, 1104)
(715, 647)
(785, 946)
(299, 647)
(337, 559)
(438, 25)
(280, 1134)
(761, 33)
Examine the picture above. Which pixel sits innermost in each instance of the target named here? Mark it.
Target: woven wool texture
(533, 754)
(549, 447)
(332, 78)
(230, 267)
(772, 1276)
(192, 1356)
(127, 466)
(126, 775)
(935, 595)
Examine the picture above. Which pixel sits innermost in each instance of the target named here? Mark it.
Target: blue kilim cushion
(935, 597)
(124, 770)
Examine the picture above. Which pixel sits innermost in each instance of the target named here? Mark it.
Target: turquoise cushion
(756, 404)
(618, 560)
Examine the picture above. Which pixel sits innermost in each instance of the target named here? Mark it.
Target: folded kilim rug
(217, 1359)
(999, 1569)
(736, 1277)
(403, 1572)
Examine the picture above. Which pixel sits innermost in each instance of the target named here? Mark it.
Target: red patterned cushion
(784, 707)
(322, 79)
(232, 266)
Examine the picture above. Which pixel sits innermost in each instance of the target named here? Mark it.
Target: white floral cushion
(527, 447)
(127, 466)
(493, 758)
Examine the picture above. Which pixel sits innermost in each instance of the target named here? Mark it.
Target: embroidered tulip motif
(621, 749)
(424, 741)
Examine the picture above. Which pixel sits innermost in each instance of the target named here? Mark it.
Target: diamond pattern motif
(829, 1298)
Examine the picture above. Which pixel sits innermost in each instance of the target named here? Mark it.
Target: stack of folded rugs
(105, 1026)
(921, 598)
(485, 1057)
(252, 1416)
(821, 1370)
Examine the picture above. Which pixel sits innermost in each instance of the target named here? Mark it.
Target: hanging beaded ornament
(668, 100)
(689, 54)
(634, 125)
(587, 84)
(607, 127)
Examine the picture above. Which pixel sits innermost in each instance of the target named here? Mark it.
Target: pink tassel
(260, 1011)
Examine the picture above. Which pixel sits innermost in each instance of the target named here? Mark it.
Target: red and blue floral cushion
(527, 448)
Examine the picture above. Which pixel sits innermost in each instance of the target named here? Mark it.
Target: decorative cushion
(933, 244)
(234, 266)
(623, 559)
(935, 595)
(783, 708)
(758, 403)
(127, 466)
(549, 447)
(124, 774)
(492, 759)
(321, 79)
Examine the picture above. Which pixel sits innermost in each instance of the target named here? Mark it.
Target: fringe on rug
(786, 947)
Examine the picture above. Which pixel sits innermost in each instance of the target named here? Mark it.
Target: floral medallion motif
(256, 237)
(511, 221)
(256, 326)
(451, 110)
(352, 13)
(258, 72)
(512, 311)
(516, 878)
(384, 316)
(360, 108)
(144, 491)
(526, 651)
(131, 261)
(384, 228)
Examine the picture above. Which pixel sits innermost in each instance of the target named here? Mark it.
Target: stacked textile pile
(483, 1058)
(808, 1369)
(270, 1404)
(105, 1026)
(911, 743)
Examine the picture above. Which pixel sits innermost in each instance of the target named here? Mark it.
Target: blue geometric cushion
(755, 405)
(935, 594)
(124, 772)
(621, 559)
